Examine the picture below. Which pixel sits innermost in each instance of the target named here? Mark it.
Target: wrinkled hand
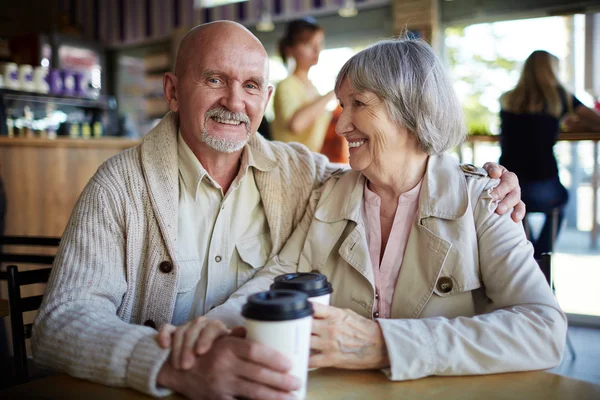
(344, 339)
(508, 191)
(187, 341)
(234, 367)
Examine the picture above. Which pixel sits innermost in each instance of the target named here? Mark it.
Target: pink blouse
(386, 273)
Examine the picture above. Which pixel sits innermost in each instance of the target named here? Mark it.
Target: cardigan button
(150, 323)
(166, 267)
(444, 284)
(376, 314)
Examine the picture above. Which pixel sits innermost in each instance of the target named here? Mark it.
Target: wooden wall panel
(43, 180)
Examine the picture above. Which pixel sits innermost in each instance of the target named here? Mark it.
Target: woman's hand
(344, 339)
(508, 191)
(190, 340)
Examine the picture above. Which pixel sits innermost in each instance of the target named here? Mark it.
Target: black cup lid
(277, 305)
(311, 283)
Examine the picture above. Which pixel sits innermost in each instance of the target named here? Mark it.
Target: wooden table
(570, 137)
(329, 384)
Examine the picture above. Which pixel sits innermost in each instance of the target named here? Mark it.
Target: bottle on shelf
(86, 130)
(74, 130)
(98, 129)
(10, 125)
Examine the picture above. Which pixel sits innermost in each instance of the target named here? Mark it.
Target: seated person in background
(169, 229)
(530, 116)
(427, 278)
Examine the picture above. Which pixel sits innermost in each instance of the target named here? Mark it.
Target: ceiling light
(348, 10)
(265, 22)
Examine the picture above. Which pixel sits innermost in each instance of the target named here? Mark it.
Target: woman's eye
(358, 103)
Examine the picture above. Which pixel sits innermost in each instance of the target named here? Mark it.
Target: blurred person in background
(300, 111)
(530, 123)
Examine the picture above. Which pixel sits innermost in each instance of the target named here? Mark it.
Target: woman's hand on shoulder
(343, 339)
(508, 192)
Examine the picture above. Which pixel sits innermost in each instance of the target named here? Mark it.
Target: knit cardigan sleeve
(78, 330)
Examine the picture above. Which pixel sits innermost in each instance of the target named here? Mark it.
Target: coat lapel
(269, 187)
(443, 196)
(424, 257)
(160, 168)
(355, 251)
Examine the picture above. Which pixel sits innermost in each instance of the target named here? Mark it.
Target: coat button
(150, 323)
(165, 267)
(376, 296)
(376, 314)
(218, 258)
(444, 284)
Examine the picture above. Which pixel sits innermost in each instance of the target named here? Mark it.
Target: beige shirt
(218, 234)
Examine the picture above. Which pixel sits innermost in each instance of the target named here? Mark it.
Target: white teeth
(356, 144)
(227, 121)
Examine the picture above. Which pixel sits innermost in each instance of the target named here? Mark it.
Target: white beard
(223, 145)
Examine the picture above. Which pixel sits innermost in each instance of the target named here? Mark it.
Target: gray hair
(413, 83)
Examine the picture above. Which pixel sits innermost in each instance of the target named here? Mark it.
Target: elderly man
(166, 231)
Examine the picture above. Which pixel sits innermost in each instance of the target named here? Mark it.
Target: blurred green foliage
(479, 118)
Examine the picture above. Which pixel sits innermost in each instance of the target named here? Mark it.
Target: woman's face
(306, 53)
(376, 141)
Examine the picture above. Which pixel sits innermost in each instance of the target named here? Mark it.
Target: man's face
(223, 94)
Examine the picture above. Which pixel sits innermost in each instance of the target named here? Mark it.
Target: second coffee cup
(313, 284)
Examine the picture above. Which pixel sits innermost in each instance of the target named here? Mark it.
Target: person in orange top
(335, 146)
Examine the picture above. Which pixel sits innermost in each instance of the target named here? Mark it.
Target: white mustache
(222, 113)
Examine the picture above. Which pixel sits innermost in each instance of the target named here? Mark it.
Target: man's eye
(251, 86)
(214, 80)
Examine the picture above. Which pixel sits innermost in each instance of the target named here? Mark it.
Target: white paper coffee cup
(313, 284)
(324, 299)
(282, 320)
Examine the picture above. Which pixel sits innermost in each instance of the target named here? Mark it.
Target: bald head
(203, 39)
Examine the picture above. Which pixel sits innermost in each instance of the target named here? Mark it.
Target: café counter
(43, 179)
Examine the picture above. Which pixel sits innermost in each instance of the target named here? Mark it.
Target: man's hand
(234, 367)
(508, 191)
(344, 339)
(187, 341)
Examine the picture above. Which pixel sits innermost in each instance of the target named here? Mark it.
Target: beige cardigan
(461, 260)
(116, 267)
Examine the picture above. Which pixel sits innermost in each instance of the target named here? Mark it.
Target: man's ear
(170, 91)
(269, 94)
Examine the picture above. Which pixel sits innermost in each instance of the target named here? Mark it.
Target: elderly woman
(428, 279)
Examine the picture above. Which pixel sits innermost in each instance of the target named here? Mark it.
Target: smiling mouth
(226, 121)
(356, 144)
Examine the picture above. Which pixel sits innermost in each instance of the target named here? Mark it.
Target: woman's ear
(170, 91)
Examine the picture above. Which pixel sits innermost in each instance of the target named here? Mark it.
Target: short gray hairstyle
(415, 87)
